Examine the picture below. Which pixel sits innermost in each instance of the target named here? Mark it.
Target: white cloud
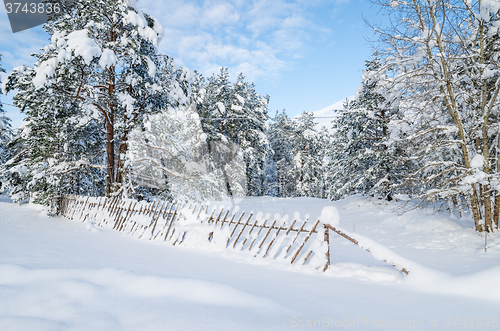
(17, 47)
(185, 15)
(262, 38)
(220, 14)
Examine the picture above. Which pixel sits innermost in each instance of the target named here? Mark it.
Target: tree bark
(110, 129)
(110, 152)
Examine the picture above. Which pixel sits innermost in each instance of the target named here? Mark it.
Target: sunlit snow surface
(55, 274)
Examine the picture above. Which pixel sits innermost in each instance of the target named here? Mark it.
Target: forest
(107, 115)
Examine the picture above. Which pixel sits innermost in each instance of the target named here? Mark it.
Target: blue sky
(306, 54)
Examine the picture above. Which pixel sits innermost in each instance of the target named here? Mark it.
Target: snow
(236, 107)
(488, 8)
(4, 84)
(138, 20)
(127, 101)
(240, 98)
(187, 74)
(108, 58)
(309, 134)
(57, 274)
(330, 215)
(221, 107)
(477, 161)
(79, 42)
(365, 273)
(151, 67)
(43, 71)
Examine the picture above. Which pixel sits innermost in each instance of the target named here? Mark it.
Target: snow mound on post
(330, 215)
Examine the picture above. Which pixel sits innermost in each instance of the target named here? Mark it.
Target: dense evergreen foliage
(5, 127)
(365, 155)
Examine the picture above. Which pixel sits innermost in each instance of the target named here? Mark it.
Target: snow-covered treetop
(102, 34)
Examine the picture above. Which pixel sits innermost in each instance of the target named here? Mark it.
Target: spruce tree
(307, 160)
(363, 158)
(323, 146)
(280, 180)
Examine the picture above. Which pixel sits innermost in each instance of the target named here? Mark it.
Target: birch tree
(446, 79)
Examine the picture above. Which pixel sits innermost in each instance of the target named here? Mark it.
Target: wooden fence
(296, 242)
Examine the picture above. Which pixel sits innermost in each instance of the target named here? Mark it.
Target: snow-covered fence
(297, 242)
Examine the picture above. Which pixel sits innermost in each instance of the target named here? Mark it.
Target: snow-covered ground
(57, 275)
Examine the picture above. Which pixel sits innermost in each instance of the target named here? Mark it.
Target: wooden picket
(161, 220)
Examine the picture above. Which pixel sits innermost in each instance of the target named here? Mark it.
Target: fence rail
(296, 242)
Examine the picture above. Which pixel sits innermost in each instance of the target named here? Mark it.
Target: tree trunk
(120, 167)
(488, 217)
(110, 151)
(248, 173)
(496, 213)
(475, 210)
(388, 195)
(282, 184)
(496, 209)
(110, 135)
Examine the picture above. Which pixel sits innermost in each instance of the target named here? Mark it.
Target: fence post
(304, 243)
(58, 203)
(327, 240)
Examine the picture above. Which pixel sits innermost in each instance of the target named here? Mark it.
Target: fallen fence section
(298, 242)
(369, 246)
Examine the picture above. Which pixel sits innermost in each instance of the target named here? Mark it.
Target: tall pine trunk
(110, 130)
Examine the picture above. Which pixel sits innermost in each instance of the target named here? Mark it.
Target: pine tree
(103, 57)
(58, 147)
(214, 108)
(13, 170)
